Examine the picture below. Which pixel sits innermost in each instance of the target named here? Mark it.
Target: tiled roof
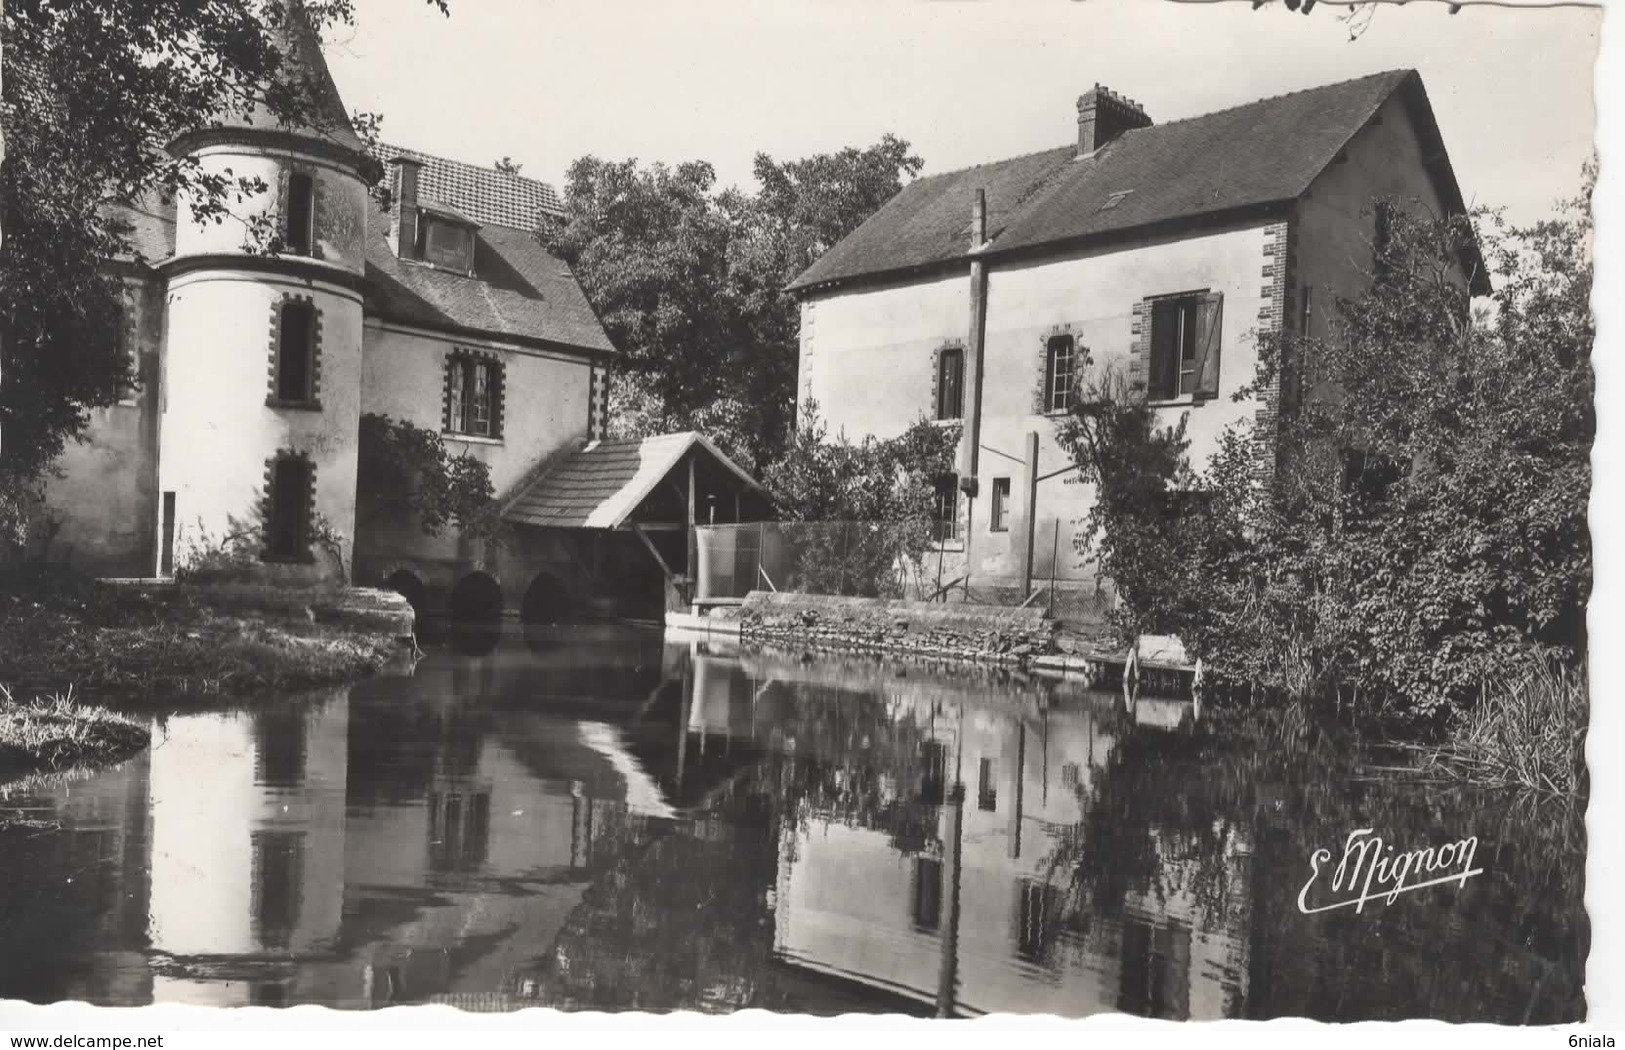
(1254, 154)
(485, 195)
(521, 290)
(1260, 153)
(929, 220)
(303, 66)
(600, 485)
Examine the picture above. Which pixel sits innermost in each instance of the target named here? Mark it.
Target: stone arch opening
(477, 598)
(546, 601)
(408, 586)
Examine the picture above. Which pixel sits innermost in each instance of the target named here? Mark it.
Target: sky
(964, 81)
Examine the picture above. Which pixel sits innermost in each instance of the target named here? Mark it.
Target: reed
(1527, 732)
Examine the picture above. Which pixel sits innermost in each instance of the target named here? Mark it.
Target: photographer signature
(1385, 871)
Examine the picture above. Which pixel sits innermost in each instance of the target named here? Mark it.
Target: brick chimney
(403, 230)
(1103, 115)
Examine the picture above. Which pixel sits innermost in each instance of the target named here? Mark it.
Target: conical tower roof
(303, 74)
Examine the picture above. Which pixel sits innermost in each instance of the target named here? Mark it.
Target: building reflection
(968, 900)
(485, 836)
(247, 849)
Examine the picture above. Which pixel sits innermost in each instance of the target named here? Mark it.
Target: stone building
(1162, 250)
(257, 366)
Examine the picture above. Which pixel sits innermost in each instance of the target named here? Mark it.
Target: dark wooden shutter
(1209, 323)
(498, 398)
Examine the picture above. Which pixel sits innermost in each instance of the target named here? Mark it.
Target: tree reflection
(1170, 811)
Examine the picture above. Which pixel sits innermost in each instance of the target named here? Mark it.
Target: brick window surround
(944, 406)
(295, 359)
(288, 507)
(474, 395)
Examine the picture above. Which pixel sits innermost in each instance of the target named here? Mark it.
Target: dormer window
(446, 241)
(445, 244)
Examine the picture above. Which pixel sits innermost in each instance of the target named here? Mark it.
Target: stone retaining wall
(960, 631)
(358, 608)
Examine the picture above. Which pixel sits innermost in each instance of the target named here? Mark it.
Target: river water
(612, 819)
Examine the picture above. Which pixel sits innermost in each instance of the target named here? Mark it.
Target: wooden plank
(647, 542)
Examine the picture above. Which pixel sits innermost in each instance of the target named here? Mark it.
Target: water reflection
(592, 818)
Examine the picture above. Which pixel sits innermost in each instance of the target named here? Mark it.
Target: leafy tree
(406, 474)
(689, 281)
(857, 513)
(1425, 534)
(94, 92)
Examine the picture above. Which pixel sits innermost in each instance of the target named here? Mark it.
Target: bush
(406, 474)
(1425, 532)
(875, 501)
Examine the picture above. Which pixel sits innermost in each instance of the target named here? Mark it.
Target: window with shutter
(1209, 324)
(1185, 341)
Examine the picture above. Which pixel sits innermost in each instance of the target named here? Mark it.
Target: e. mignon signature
(1372, 869)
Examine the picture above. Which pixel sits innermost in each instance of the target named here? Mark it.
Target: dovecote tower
(262, 369)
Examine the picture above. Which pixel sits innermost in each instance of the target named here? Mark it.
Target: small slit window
(950, 383)
(925, 894)
(299, 234)
(987, 792)
(999, 520)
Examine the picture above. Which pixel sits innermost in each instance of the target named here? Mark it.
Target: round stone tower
(262, 359)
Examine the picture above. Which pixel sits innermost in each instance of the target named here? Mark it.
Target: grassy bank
(60, 733)
(1526, 733)
(59, 631)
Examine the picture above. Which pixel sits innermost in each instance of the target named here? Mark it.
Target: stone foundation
(357, 608)
(954, 631)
